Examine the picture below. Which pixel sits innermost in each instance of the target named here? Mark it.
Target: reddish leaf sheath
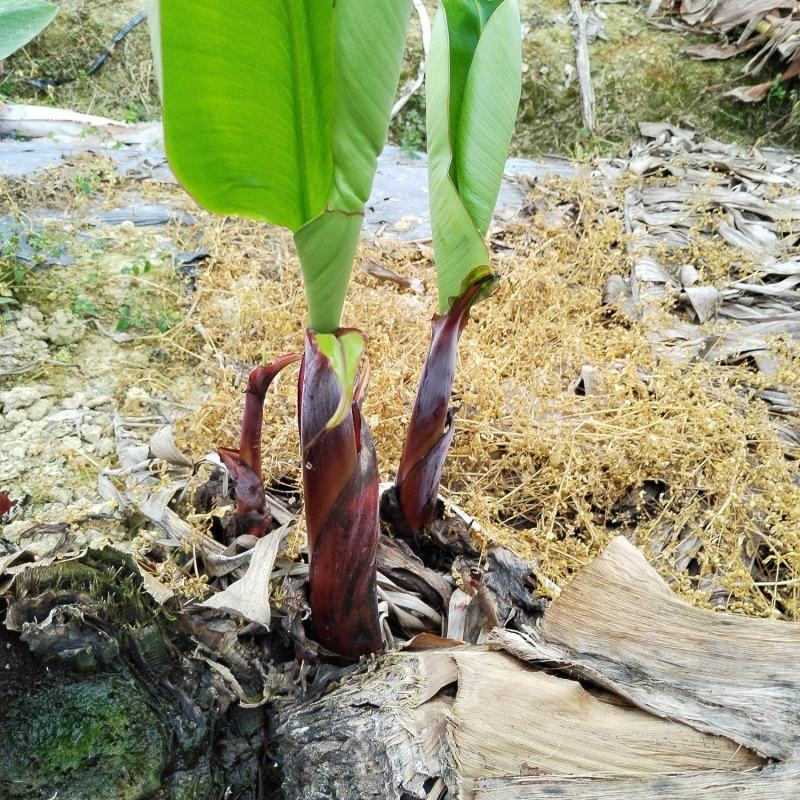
(244, 467)
(6, 503)
(340, 483)
(250, 495)
(253, 418)
(431, 428)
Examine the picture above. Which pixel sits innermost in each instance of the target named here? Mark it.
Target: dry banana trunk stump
(620, 692)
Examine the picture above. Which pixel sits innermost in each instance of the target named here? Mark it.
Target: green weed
(87, 183)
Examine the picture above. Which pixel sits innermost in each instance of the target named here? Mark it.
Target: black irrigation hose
(46, 83)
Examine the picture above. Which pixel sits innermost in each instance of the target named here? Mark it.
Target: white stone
(65, 328)
(100, 400)
(61, 495)
(91, 433)
(20, 397)
(30, 329)
(78, 400)
(16, 415)
(39, 409)
(32, 313)
(105, 447)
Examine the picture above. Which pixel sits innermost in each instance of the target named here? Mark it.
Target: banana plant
(20, 21)
(278, 111)
(244, 465)
(472, 86)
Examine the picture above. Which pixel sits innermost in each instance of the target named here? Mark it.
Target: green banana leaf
(473, 87)
(278, 111)
(20, 21)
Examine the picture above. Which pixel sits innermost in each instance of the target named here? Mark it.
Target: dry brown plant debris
(572, 426)
(583, 413)
(766, 28)
(620, 691)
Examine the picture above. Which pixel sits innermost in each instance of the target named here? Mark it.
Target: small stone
(13, 530)
(91, 433)
(61, 495)
(29, 329)
(39, 409)
(32, 313)
(78, 400)
(69, 445)
(100, 400)
(65, 328)
(105, 447)
(60, 429)
(137, 395)
(15, 416)
(20, 397)
(21, 432)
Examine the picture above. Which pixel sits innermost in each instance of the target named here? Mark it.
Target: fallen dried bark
(780, 781)
(618, 625)
(692, 703)
(395, 731)
(509, 721)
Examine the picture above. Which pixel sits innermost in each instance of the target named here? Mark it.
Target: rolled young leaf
(258, 382)
(340, 486)
(278, 111)
(431, 429)
(473, 84)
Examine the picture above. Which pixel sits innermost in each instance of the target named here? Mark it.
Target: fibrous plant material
(442, 720)
(578, 730)
(720, 673)
(778, 782)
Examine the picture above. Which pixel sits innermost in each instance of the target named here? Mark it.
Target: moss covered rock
(96, 737)
(100, 698)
